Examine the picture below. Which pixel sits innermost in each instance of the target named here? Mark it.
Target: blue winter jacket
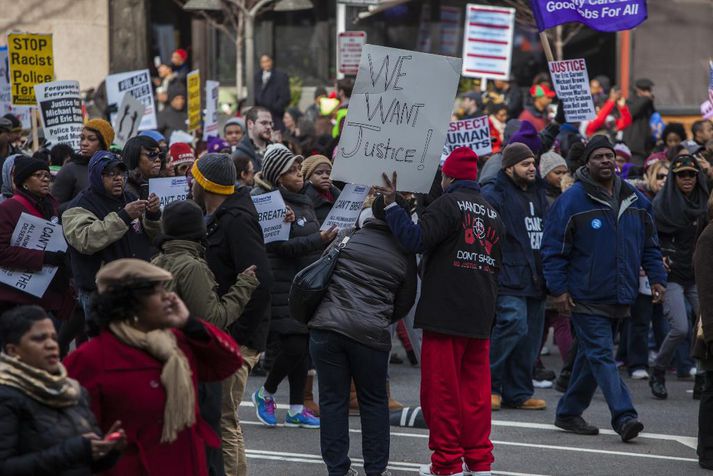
(594, 252)
(519, 275)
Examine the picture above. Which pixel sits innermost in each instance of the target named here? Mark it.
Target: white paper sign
(472, 133)
(571, 83)
(707, 110)
(347, 208)
(23, 113)
(271, 211)
(210, 121)
(36, 234)
(169, 189)
(350, 45)
(487, 41)
(60, 111)
(127, 119)
(397, 118)
(138, 84)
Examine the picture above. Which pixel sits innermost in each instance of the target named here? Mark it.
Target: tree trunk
(239, 65)
(250, 56)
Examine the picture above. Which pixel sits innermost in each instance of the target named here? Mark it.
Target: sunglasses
(687, 174)
(155, 154)
(661, 176)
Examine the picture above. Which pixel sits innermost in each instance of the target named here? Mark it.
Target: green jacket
(195, 283)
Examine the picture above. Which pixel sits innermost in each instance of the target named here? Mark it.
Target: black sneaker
(562, 381)
(544, 374)
(658, 384)
(395, 359)
(576, 424)
(630, 429)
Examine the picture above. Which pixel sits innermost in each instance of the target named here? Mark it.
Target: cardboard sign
(61, 111)
(571, 83)
(472, 133)
(210, 120)
(349, 46)
(596, 14)
(194, 100)
(397, 118)
(31, 62)
(346, 209)
(36, 234)
(128, 119)
(271, 212)
(138, 84)
(487, 42)
(169, 189)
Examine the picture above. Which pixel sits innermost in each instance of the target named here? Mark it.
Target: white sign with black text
(169, 189)
(347, 207)
(271, 212)
(571, 82)
(138, 84)
(472, 133)
(61, 111)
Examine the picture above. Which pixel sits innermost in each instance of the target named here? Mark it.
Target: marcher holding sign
(31, 62)
(472, 133)
(194, 100)
(346, 209)
(571, 83)
(61, 111)
(271, 212)
(397, 117)
(138, 84)
(169, 189)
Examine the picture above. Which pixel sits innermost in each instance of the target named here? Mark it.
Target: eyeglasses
(42, 175)
(116, 173)
(154, 154)
(687, 174)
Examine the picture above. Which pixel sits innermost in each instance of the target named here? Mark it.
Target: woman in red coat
(144, 367)
(32, 196)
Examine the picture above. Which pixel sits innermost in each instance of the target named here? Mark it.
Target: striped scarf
(56, 391)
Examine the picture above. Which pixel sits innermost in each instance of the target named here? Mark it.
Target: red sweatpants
(455, 399)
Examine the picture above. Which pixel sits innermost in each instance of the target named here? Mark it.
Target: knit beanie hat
(14, 121)
(277, 160)
(550, 161)
(183, 54)
(527, 135)
(183, 220)
(215, 173)
(515, 153)
(621, 150)
(597, 142)
(311, 163)
(461, 164)
(155, 135)
(103, 128)
(217, 144)
(25, 167)
(180, 153)
(235, 121)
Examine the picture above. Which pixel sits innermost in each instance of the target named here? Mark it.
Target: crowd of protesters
(597, 230)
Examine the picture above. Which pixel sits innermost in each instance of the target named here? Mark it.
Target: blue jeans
(515, 345)
(595, 366)
(338, 359)
(634, 343)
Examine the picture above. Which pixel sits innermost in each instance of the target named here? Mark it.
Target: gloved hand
(54, 258)
(559, 117)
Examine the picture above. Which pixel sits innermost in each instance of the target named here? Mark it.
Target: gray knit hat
(215, 173)
(277, 160)
(550, 161)
(235, 121)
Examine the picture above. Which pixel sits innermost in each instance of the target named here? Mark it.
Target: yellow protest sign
(194, 100)
(30, 61)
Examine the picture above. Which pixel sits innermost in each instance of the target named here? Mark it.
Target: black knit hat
(25, 167)
(183, 220)
(16, 124)
(597, 142)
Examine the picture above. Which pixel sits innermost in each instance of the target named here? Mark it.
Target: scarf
(46, 206)
(56, 391)
(179, 411)
(675, 211)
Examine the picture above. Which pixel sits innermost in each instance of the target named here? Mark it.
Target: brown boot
(310, 404)
(394, 405)
(353, 402)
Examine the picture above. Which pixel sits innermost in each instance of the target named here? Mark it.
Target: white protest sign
(138, 84)
(397, 118)
(127, 119)
(487, 41)
(271, 212)
(61, 111)
(707, 110)
(571, 83)
(349, 47)
(210, 121)
(472, 133)
(169, 189)
(36, 234)
(347, 207)
(23, 113)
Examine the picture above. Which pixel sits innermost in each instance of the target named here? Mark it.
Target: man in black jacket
(459, 235)
(638, 135)
(233, 243)
(272, 90)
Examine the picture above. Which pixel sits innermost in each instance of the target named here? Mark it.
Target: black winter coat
(287, 258)
(275, 95)
(373, 285)
(71, 179)
(322, 206)
(638, 135)
(234, 242)
(38, 440)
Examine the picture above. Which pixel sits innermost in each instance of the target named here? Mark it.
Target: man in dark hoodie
(174, 117)
(597, 236)
(638, 135)
(518, 195)
(234, 242)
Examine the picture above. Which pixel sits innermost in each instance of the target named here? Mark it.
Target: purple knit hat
(527, 134)
(217, 144)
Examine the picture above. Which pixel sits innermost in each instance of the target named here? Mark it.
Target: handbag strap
(343, 243)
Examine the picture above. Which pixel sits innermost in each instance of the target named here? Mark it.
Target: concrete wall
(80, 31)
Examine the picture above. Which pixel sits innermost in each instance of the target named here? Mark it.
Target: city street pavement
(526, 442)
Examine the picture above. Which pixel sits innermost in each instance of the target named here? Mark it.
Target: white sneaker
(693, 372)
(542, 384)
(545, 350)
(425, 470)
(640, 374)
(467, 472)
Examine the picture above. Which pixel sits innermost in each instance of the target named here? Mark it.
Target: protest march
(362, 237)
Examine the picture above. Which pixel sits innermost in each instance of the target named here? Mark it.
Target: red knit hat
(461, 164)
(182, 53)
(180, 153)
